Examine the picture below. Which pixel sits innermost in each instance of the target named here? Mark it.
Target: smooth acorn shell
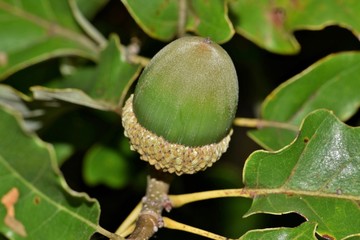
(188, 93)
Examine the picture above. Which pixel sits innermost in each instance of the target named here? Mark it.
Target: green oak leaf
(317, 176)
(103, 87)
(314, 88)
(305, 231)
(160, 18)
(270, 24)
(211, 20)
(114, 74)
(34, 31)
(46, 207)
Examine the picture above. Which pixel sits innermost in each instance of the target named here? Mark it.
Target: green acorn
(179, 118)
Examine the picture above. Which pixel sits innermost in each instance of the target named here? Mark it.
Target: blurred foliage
(62, 85)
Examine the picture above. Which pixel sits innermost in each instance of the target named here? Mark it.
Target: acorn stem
(155, 200)
(182, 18)
(261, 123)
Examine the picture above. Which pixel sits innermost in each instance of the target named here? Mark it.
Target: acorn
(180, 115)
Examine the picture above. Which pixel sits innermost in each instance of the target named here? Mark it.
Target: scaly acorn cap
(180, 116)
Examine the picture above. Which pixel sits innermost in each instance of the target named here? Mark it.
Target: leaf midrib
(255, 192)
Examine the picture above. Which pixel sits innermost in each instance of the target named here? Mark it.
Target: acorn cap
(188, 93)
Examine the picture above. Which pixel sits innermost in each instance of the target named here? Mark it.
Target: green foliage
(70, 117)
(316, 176)
(304, 231)
(36, 31)
(28, 165)
(317, 87)
(267, 23)
(113, 169)
(158, 18)
(270, 23)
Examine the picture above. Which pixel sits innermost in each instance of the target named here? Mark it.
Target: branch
(260, 123)
(155, 200)
(180, 200)
(108, 234)
(171, 224)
